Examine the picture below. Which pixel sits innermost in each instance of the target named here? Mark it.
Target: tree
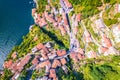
(106, 1)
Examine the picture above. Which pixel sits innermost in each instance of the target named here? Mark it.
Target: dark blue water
(15, 19)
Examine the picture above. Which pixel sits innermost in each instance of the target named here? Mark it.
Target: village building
(16, 75)
(79, 50)
(67, 4)
(52, 56)
(14, 55)
(23, 62)
(56, 63)
(74, 56)
(87, 36)
(33, 11)
(116, 33)
(99, 24)
(110, 51)
(64, 67)
(91, 54)
(61, 52)
(117, 8)
(35, 60)
(7, 64)
(53, 74)
(63, 61)
(102, 49)
(62, 29)
(106, 41)
(78, 17)
(43, 64)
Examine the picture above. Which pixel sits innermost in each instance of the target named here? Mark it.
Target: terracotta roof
(14, 67)
(52, 73)
(7, 64)
(43, 64)
(44, 56)
(78, 17)
(63, 61)
(79, 56)
(62, 29)
(45, 49)
(107, 41)
(73, 55)
(68, 4)
(81, 51)
(42, 22)
(61, 52)
(59, 19)
(48, 18)
(103, 49)
(56, 63)
(23, 62)
(65, 19)
(87, 36)
(39, 46)
(35, 60)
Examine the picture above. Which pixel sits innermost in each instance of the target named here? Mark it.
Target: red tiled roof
(103, 49)
(42, 22)
(48, 18)
(74, 56)
(81, 51)
(52, 73)
(14, 67)
(78, 17)
(59, 19)
(65, 19)
(63, 61)
(56, 63)
(79, 56)
(62, 29)
(107, 41)
(43, 64)
(39, 46)
(61, 52)
(23, 62)
(67, 3)
(44, 56)
(7, 64)
(35, 60)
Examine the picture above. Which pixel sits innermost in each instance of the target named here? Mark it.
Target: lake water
(15, 19)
